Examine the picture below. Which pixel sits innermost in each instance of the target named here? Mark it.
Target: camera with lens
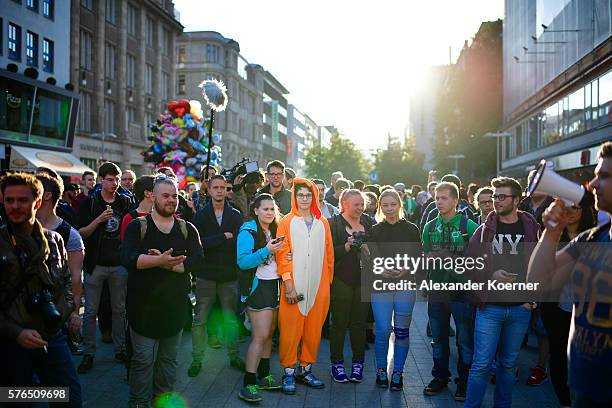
(243, 167)
(359, 237)
(43, 301)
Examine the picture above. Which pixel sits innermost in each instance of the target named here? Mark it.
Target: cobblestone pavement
(218, 384)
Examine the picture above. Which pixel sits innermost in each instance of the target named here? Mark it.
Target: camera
(359, 237)
(243, 167)
(43, 302)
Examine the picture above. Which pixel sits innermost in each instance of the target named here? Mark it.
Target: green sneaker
(249, 394)
(268, 383)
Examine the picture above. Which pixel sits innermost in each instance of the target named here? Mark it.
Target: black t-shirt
(156, 297)
(507, 253)
(102, 247)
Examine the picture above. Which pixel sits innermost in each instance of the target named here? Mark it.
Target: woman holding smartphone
(393, 236)
(260, 288)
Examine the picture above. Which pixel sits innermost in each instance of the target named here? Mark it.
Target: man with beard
(34, 266)
(99, 222)
(183, 210)
(160, 252)
(585, 264)
(505, 241)
(275, 174)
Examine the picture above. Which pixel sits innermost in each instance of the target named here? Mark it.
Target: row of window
(14, 47)
(48, 7)
(586, 108)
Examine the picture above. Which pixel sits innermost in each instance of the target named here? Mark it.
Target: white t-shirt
(267, 270)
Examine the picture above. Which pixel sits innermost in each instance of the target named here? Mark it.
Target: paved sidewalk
(218, 384)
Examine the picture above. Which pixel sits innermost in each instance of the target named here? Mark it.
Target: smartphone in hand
(179, 252)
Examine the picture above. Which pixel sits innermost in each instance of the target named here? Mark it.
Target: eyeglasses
(228, 189)
(276, 174)
(501, 197)
(301, 196)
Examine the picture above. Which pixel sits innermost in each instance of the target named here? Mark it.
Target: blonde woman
(393, 236)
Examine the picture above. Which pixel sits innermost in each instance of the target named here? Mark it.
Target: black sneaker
(249, 394)
(121, 357)
(435, 386)
(461, 392)
(382, 381)
(194, 368)
(397, 381)
(86, 364)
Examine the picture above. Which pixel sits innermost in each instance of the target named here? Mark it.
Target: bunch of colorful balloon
(179, 139)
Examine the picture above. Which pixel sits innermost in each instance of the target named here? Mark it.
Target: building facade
(122, 66)
(296, 138)
(557, 84)
(275, 120)
(205, 55)
(38, 106)
(423, 108)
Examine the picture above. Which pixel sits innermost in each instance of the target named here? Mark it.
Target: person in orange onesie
(306, 265)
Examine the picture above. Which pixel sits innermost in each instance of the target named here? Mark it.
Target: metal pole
(210, 130)
(497, 156)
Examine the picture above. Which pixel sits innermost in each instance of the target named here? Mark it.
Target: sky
(351, 64)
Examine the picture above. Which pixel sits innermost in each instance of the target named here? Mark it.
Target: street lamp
(103, 136)
(497, 135)
(456, 157)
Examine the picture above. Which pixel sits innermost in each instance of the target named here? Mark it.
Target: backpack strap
(143, 226)
(463, 228)
(64, 230)
(183, 227)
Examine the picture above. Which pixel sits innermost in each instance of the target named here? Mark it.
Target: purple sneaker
(357, 371)
(338, 373)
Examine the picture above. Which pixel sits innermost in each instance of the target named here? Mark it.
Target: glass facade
(587, 108)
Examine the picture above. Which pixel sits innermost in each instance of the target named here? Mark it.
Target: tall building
(122, 65)
(38, 106)
(557, 84)
(311, 137)
(209, 55)
(275, 119)
(423, 108)
(296, 138)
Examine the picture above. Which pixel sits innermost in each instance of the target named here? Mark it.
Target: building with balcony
(557, 85)
(122, 66)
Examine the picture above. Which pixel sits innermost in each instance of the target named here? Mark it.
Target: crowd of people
(287, 260)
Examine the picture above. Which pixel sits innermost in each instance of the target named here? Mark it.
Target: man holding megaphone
(586, 263)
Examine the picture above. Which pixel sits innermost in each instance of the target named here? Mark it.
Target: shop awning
(28, 159)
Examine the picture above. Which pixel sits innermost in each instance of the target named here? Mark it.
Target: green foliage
(470, 105)
(342, 154)
(400, 162)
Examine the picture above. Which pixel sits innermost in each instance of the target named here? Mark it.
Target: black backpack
(64, 230)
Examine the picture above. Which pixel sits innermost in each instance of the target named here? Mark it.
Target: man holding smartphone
(160, 253)
(505, 241)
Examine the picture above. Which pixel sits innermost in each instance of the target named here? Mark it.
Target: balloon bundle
(179, 139)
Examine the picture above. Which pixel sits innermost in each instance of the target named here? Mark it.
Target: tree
(341, 155)
(470, 105)
(400, 162)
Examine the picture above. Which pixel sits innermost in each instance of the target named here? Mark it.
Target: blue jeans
(53, 368)
(507, 326)
(396, 305)
(439, 319)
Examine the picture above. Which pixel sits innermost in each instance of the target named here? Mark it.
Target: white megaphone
(546, 181)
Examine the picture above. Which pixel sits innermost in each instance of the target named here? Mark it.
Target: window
(87, 4)
(551, 120)
(48, 51)
(165, 42)
(31, 49)
(109, 8)
(605, 98)
(109, 115)
(14, 42)
(86, 41)
(49, 8)
(181, 54)
(149, 31)
(212, 53)
(109, 60)
(131, 66)
(131, 114)
(85, 112)
(164, 86)
(576, 112)
(148, 79)
(148, 120)
(32, 5)
(181, 85)
(132, 15)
